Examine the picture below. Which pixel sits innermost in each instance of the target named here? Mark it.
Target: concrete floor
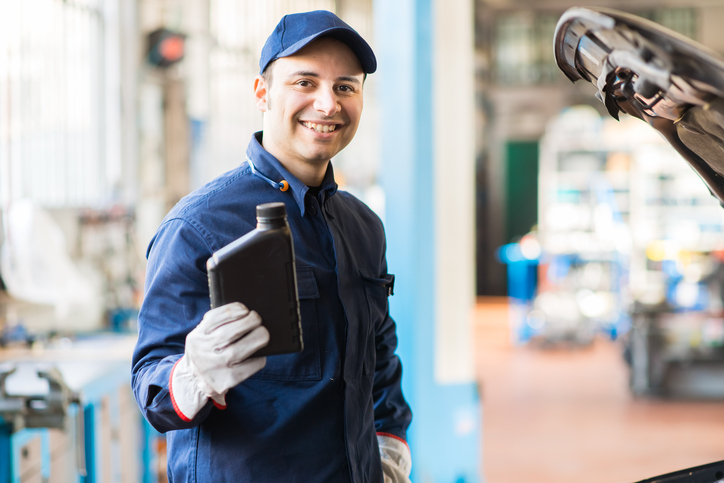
(562, 415)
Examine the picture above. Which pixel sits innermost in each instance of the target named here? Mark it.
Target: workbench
(100, 437)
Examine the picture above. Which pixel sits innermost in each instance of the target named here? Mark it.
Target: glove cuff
(396, 457)
(186, 395)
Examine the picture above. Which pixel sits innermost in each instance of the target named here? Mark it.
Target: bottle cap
(270, 211)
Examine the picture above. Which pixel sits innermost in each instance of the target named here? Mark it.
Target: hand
(217, 358)
(396, 458)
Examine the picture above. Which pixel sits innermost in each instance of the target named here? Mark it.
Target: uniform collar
(270, 167)
(328, 186)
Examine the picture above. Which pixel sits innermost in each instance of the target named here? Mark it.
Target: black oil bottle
(258, 270)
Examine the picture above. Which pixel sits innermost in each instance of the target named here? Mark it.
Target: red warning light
(165, 47)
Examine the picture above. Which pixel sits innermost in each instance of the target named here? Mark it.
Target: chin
(318, 157)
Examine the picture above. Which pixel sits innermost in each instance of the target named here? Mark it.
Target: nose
(326, 102)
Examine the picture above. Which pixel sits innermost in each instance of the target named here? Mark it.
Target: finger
(215, 318)
(247, 345)
(244, 370)
(233, 331)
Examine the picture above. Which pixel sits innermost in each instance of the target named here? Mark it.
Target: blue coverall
(310, 416)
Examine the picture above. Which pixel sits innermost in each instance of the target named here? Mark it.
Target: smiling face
(312, 107)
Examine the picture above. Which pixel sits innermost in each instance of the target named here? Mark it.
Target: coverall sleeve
(176, 299)
(392, 413)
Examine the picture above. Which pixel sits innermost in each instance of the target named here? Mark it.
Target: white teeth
(320, 127)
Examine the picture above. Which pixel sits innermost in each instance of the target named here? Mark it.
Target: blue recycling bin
(522, 283)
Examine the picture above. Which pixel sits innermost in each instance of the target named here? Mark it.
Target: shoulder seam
(203, 234)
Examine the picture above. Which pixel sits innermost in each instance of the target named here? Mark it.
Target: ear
(260, 93)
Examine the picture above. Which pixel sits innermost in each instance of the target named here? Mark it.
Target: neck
(309, 173)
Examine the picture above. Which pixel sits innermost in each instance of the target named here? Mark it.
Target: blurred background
(560, 275)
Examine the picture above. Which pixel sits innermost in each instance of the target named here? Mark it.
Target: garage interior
(559, 291)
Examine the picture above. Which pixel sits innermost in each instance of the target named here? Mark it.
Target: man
(335, 411)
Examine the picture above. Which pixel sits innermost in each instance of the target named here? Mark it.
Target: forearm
(175, 300)
(392, 417)
(392, 413)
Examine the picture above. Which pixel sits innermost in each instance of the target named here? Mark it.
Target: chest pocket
(304, 365)
(377, 289)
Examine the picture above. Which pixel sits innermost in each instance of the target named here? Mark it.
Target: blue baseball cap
(296, 30)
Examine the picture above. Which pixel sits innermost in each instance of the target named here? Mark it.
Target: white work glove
(396, 459)
(217, 358)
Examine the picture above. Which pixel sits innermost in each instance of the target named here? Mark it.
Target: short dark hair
(267, 74)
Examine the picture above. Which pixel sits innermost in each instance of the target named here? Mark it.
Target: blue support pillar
(445, 432)
(90, 438)
(5, 453)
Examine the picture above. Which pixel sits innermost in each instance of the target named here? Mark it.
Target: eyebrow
(349, 78)
(305, 73)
